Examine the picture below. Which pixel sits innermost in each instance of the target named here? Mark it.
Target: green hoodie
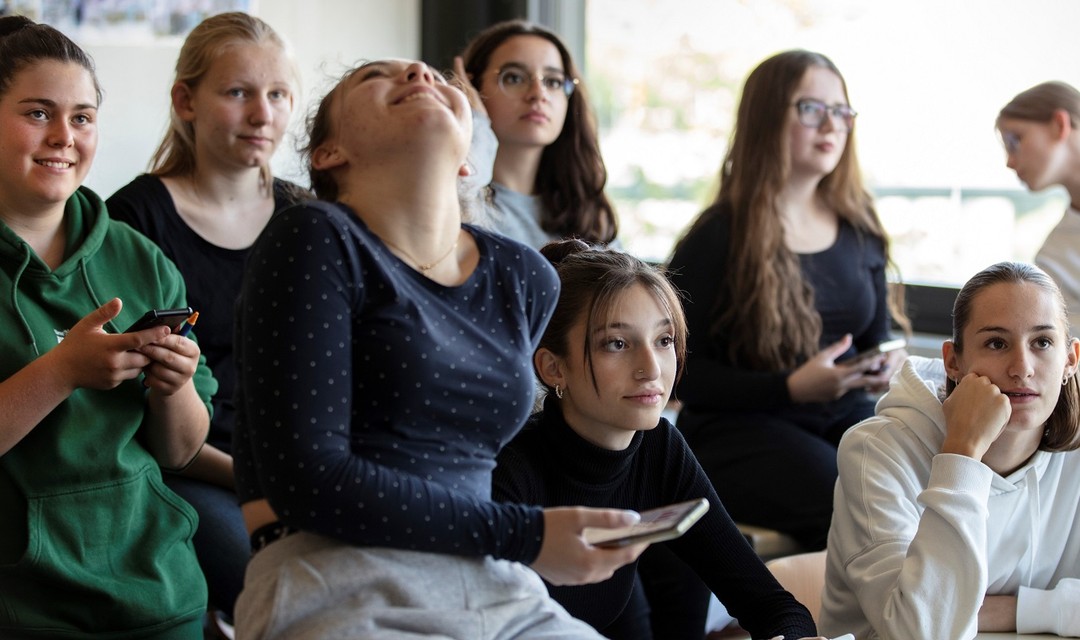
(92, 543)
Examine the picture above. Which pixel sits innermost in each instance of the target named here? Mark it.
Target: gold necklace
(419, 265)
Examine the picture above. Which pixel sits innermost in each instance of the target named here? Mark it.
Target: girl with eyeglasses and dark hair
(1040, 129)
(958, 504)
(92, 542)
(784, 278)
(548, 175)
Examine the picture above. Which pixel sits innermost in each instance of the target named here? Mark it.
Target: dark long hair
(572, 175)
(775, 324)
(24, 42)
(1063, 425)
(592, 278)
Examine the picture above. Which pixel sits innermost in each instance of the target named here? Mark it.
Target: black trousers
(776, 470)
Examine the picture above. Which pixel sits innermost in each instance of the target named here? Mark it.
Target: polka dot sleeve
(372, 400)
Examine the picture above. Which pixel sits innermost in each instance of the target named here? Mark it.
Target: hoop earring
(1065, 380)
(558, 392)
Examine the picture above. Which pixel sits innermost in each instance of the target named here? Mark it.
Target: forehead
(263, 60)
(1017, 124)
(637, 306)
(64, 83)
(822, 84)
(1015, 307)
(529, 51)
(390, 66)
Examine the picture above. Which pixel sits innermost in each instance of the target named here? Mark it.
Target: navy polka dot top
(373, 400)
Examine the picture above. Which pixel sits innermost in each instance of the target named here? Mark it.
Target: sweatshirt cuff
(1032, 610)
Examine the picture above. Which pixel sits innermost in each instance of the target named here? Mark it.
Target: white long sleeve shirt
(1059, 256)
(918, 537)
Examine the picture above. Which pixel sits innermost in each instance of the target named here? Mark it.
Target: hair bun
(558, 250)
(11, 24)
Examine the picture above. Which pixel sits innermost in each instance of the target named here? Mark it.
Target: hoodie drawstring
(86, 282)
(15, 298)
(1034, 518)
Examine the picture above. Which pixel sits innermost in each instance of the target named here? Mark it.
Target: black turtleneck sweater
(548, 464)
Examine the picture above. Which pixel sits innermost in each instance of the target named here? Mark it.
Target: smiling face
(48, 136)
(815, 152)
(240, 109)
(532, 117)
(633, 366)
(393, 107)
(1016, 337)
(1034, 150)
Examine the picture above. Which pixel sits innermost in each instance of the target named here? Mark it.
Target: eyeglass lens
(812, 113)
(514, 81)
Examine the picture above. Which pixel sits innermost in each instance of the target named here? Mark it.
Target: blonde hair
(175, 156)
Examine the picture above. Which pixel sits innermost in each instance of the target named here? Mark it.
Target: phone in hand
(158, 317)
(656, 525)
(875, 351)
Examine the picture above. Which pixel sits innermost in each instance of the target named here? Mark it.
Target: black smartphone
(657, 525)
(158, 317)
(873, 352)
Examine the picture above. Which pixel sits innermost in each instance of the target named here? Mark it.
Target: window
(927, 78)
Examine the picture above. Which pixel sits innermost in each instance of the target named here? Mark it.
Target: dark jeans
(221, 541)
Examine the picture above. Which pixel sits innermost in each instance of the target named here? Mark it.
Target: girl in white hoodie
(957, 509)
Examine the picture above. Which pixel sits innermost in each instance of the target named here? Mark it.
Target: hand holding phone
(158, 317)
(873, 352)
(656, 525)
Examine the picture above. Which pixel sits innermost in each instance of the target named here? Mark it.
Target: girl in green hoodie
(92, 544)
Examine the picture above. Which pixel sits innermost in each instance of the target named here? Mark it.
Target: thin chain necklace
(423, 267)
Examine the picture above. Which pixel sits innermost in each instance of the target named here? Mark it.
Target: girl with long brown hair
(784, 277)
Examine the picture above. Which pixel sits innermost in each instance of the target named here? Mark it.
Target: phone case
(657, 525)
(157, 317)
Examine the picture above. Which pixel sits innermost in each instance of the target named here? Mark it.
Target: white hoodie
(918, 538)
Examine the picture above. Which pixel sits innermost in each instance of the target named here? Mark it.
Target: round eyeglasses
(515, 81)
(812, 114)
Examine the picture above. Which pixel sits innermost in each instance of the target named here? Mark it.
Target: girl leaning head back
(1063, 426)
(592, 281)
(206, 43)
(571, 177)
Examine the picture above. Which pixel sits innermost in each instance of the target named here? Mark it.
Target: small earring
(558, 392)
(1065, 380)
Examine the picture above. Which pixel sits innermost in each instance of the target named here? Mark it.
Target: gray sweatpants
(309, 587)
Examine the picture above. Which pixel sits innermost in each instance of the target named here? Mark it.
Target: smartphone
(657, 525)
(158, 317)
(873, 352)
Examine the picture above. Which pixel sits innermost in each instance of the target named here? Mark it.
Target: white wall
(327, 36)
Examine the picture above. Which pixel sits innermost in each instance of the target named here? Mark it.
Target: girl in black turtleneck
(609, 360)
